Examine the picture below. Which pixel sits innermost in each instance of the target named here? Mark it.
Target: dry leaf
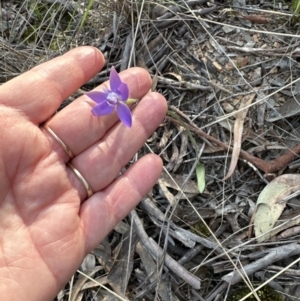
(150, 267)
(173, 75)
(238, 132)
(167, 194)
(290, 108)
(270, 204)
(89, 263)
(190, 189)
(183, 147)
(78, 286)
(120, 272)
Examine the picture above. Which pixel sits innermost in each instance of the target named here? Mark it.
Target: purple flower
(116, 97)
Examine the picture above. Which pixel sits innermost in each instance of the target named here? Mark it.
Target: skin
(47, 224)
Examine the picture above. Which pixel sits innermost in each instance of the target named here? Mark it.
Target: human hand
(47, 224)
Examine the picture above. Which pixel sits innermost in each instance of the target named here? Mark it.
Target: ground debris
(206, 58)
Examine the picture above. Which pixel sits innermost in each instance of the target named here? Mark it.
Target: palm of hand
(46, 228)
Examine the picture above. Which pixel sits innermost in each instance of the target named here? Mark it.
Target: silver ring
(84, 182)
(61, 143)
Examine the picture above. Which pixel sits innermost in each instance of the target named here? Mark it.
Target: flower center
(112, 99)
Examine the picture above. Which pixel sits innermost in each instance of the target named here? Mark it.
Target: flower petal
(123, 91)
(102, 109)
(124, 114)
(114, 80)
(98, 96)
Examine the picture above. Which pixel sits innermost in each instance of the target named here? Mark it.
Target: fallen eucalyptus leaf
(238, 132)
(290, 108)
(271, 203)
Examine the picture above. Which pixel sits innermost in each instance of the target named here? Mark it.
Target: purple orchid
(116, 97)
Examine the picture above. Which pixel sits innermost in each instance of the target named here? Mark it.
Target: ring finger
(101, 162)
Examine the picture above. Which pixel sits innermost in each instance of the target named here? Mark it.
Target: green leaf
(86, 13)
(296, 6)
(200, 173)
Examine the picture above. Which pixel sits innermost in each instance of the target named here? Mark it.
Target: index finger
(39, 92)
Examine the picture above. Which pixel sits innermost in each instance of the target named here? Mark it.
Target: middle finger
(79, 129)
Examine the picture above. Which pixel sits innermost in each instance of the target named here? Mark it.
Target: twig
(273, 255)
(266, 166)
(157, 254)
(150, 208)
(264, 52)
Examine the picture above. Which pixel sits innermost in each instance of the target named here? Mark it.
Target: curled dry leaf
(271, 203)
(173, 76)
(176, 182)
(179, 183)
